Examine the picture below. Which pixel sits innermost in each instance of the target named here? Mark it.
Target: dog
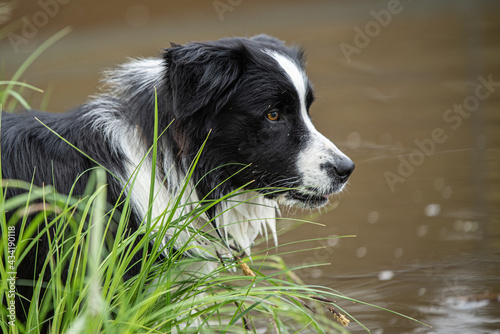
(246, 100)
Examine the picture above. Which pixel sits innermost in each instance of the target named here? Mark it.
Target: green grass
(89, 239)
(165, 295)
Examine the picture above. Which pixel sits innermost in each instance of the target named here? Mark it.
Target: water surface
(423, 201)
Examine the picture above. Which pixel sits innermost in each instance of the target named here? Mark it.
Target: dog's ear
(201, 75)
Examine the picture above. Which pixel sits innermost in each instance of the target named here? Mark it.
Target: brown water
(427, 235)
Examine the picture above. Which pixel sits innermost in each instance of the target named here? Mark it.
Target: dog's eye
(273, 116)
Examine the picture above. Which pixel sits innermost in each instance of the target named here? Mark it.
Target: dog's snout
(341, 169)
(344, 167)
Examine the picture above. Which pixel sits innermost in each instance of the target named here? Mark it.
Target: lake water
(409, 90)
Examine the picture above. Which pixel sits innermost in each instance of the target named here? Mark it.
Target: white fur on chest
(240, 219)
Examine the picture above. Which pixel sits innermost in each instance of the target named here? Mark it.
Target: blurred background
(409, 90)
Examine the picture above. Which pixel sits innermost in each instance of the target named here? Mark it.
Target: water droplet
(470, 226)
(421, 291)
(432, 210)
(385, 275)
(333, 240)
(373, 217)
(361, 252)
(398, 253)
(316, 273)
(354, 140)
(422, 230)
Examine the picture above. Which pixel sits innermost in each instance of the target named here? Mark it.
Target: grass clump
(91, 248)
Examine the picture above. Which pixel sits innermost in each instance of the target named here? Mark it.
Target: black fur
(222, 89)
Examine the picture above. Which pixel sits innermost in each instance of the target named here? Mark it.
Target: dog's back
(34, 150)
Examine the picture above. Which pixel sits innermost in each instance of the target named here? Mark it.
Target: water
(423, 201)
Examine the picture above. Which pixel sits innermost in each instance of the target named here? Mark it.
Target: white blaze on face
(318, 149)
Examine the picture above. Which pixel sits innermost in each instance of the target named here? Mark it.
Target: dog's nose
(340, 170)
(344, 167)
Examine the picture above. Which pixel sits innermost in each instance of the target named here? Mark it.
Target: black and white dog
(249, 96)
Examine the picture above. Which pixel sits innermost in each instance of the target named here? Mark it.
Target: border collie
(247, 99)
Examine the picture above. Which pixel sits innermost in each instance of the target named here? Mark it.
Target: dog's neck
(246, 216)
(239, 219)
(235, 225)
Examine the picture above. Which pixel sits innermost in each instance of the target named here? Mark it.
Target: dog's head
(254, 97)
